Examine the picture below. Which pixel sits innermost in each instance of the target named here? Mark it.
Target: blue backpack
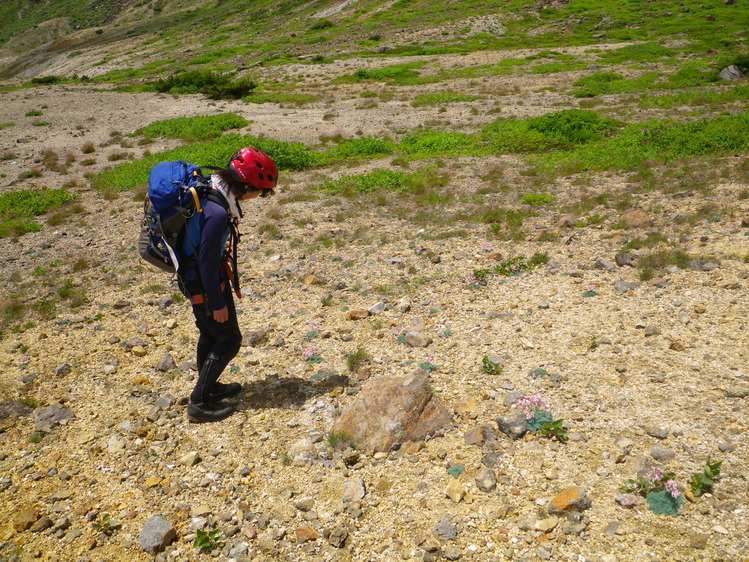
(176, 193)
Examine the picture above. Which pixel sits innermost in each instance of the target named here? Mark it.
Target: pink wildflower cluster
(655, 474)
(530, 404)
(307, 353)
(671, 488)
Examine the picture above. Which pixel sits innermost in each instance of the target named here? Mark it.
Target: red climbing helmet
(253, 167)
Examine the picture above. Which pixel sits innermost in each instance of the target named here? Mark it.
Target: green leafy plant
(701, 482)
(554, 430)
(489, 367)
(106, 525)
(539, 419)
(208, 541)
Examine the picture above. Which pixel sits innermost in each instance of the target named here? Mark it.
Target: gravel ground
(653, 373)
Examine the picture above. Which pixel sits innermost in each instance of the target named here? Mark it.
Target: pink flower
(655, 474)
(530, 404)
(671, 488)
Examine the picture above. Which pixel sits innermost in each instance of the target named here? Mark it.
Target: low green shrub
(366, 183)
(214, 85)
(198, 128)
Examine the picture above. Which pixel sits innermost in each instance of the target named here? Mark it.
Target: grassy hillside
(229, 33)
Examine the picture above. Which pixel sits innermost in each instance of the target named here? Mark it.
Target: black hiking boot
(208, 411)
(220, 390)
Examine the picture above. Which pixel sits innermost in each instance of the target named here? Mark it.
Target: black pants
(219, 341)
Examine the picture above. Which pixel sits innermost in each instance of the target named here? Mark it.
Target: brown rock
(637, 219)
(480, 435)
(24, 519)
(390, 411)
(571, 498)
(698, 541)
(677, 346)
(306, 534)
(357, 314)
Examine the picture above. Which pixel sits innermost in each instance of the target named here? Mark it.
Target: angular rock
(629, 500)
(41, 525)
(486, 480)
(157, 533)
(625, 286)
(455, 490)
(353, 491)
(417, 339)
(166, 363)
(377, 307)
(302, 451)
(662, 454)
(402, 306)
(623, 259)
(446, 529)
(24, 518)
(390, 411)
(62, 370)
(50, 417)
(603, 264)
(116, 443)
(480, 435)
(306, 534)
(357, 314)
(165, 402)
(514, 425)
(571, 498)
(338, 537)
(190, 459)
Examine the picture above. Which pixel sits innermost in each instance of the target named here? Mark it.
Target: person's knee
(235, 344)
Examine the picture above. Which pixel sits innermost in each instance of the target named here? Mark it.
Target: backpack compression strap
(234, 236)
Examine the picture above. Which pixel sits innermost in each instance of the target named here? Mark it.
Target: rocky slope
(643, 373)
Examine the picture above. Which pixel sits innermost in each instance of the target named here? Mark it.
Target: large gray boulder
(731, 73)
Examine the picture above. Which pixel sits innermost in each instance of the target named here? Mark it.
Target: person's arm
(210, 254)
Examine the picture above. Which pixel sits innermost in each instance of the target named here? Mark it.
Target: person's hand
(221, 315)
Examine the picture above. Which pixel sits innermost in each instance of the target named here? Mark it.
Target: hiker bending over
(209, 273)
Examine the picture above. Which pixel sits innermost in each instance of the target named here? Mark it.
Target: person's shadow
(288, 392)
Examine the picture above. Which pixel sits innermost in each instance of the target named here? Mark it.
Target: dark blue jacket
(214, 231)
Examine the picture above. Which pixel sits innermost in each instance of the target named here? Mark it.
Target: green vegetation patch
(366, 183)
(214, 85)
(640, 52)
(436, 99)
(199, 128)
(279, 97)
(404, 73)
(602, 83)
(366, 147)
(554, 131)
(18, 207)
(658, 141)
